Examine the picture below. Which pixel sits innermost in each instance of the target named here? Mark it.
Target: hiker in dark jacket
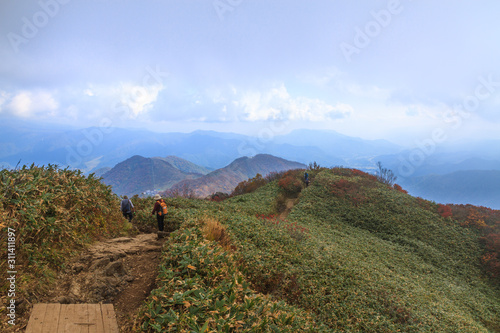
(127, 208)
(157, 209)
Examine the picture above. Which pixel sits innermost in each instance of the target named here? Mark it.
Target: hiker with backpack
(160, 208)
(127, 208)
(306, 179)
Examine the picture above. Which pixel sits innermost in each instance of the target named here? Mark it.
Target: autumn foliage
(399, 189)
(290, 183)
(444, 211)
(487, 222)
(251, 185)
(218, 196)
(351, 190)
(346, 172)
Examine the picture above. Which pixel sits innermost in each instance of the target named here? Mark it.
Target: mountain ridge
(227, 178)
(139, 174)
(93, 148)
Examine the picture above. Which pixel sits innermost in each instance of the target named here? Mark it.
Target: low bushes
(200, 289)
(290, 183)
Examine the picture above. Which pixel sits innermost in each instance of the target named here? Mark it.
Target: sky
(402, 70)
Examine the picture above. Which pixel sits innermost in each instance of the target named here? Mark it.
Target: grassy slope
(406, 263)
(387, 264)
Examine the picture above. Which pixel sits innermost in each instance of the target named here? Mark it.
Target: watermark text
(11, 275)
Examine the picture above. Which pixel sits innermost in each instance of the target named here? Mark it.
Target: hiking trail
(289, 203)
(121, 271)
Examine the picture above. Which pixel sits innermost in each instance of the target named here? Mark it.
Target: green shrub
(200, 289)
(54, 213)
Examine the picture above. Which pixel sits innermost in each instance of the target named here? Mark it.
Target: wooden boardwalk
(74, 318)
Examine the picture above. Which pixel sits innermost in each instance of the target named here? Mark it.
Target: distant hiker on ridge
(127, 208)
(160, 209)
(306, 179)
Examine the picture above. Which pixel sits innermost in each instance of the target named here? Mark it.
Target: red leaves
(487, 221)
(399, 189)
(444, 210)
(491, 259)
(290, 184)
(348, 189)
(250, 185)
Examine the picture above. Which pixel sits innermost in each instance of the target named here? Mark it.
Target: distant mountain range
(94, 148)
(442, 159)
(138, 174)
(100, 150)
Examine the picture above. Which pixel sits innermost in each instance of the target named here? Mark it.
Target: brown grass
(214, 231)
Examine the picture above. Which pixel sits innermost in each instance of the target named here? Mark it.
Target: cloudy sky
(393, 69)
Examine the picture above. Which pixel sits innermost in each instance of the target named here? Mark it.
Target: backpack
(126, 207)
(163, 208)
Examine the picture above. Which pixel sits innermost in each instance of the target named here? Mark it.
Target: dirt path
(289, 203)
(121, 271)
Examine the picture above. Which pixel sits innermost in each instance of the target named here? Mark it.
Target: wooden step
(74, 318)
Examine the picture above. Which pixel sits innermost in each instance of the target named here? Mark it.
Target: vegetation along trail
(348, 253)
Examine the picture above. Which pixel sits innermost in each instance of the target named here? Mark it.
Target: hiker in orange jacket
(158, 209)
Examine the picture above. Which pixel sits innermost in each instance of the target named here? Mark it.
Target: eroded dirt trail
(121, 271)
(289, 203)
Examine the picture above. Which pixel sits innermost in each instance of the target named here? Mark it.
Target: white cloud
(277, 103)
(120, 101)
(138, 99)
(27, 104)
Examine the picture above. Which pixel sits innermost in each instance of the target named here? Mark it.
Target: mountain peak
(243, 168)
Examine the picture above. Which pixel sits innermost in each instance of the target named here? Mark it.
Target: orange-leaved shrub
(351, 190)
(290, 182)
(444, 210)
(400, 189)
(249, 186)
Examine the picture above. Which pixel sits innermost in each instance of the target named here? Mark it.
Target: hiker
(306, 179)
(160, 209)
(127, 208)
